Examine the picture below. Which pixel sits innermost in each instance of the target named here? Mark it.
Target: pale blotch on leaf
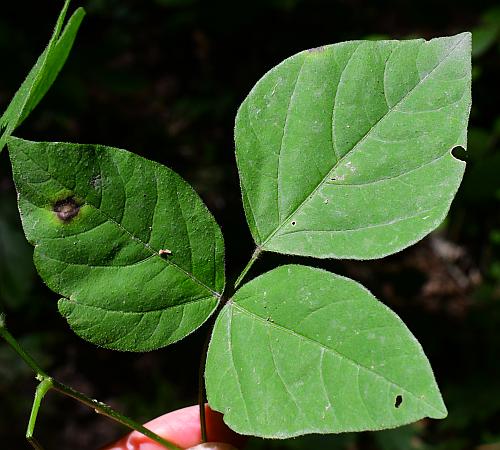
(165, 252)
(66, 209)
(316, 49)
(96, 182)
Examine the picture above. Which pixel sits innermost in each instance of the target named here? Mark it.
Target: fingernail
(213, 446)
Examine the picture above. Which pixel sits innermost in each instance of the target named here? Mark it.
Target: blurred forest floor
(164, 79)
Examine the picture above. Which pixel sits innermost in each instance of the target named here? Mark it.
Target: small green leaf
(300, 350)
(344, 151)
(127, 242)
(42, 75)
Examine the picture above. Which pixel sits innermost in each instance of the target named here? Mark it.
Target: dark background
(164, 78)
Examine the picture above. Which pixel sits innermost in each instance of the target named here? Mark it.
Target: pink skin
(182, 428)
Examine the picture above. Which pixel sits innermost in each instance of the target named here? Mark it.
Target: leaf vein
(383, 224)
(285, 129)
(330, 350)
(359, 142)
(149, 311)
(146, 245)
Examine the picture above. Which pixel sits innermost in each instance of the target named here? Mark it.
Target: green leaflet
(42, 75)
(300, 350)
(345, 151)
(128, 243)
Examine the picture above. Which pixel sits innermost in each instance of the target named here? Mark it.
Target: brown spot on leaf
(165, 252)
(67, 209)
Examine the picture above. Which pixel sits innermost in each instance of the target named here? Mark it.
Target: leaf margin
(227, 410)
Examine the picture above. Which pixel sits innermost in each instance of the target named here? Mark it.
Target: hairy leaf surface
(126, 241)
(300, 350)
(42, 75)
(345, 151)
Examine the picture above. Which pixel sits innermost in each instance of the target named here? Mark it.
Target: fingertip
(218, 431)
(182, 428)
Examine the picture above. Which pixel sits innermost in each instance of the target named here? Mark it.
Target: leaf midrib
(149, 311)
(359, 142)
(365, 227)
(233, 304)
(120, 226)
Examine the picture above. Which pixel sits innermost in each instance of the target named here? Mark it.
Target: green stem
(47, 383)
(43, 387)
(40, 374)
(254, 258)
(105, 410)
(201, 372)
(201, 386)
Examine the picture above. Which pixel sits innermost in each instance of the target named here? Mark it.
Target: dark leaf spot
(67, 209)
(398, 401)
(294, 223)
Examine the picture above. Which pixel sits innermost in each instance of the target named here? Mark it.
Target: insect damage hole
(398, 401)
(67, 209)
(293, 223)
(459, 153)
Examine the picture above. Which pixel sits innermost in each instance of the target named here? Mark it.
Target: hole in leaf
(398, 401)
(67, 209)
(459, 153)
(294, 223)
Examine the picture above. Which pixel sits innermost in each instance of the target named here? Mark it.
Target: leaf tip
(441, 413)
(464, 40)
(436, 407)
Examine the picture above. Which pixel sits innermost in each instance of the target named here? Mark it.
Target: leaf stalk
(242, 275)
(43, 387)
